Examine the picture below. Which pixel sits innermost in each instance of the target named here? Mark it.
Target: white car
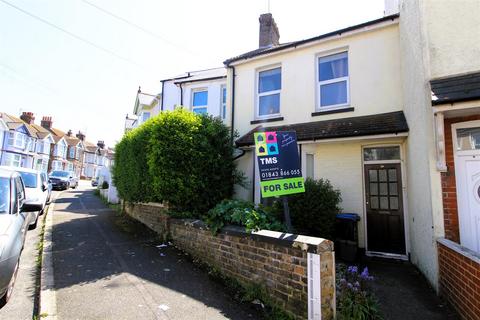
(36, 190)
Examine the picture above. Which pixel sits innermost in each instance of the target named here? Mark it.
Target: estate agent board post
(279, 166)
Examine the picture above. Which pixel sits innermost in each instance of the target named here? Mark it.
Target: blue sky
(49, 72)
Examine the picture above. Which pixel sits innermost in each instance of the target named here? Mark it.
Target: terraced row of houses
(46, 148)
(387, 110)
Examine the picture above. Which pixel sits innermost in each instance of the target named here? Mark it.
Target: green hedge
(177, 157)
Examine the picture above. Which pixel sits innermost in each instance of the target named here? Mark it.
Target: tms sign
(278, 162)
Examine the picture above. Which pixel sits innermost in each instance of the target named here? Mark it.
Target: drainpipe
(232, 128)
(181, 94)
(163, 87)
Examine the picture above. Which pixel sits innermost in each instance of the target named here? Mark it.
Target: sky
(82, 61)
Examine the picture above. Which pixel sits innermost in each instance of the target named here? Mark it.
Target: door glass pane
(384, 203)
(392, 175)
(374, 202)
(372, 175)
(381, 153)
(393, 189)
(383, 189)
(468, 139)
(394, 203)
(373, 189)
(309, 165)
(382, 175)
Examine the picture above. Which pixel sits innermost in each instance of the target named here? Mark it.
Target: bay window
(17, 140)
(269, 85)
(333, 81)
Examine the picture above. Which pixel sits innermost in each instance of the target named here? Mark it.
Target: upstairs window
(71, 153)
(268, 92)
(223, 106)
(17, 139)
(200, 101)
(333, 81)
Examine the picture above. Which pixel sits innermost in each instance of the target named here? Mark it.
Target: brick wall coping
(470, 254)
(305, 243)
(152, 204)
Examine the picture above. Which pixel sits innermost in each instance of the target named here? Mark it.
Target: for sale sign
(278, 163)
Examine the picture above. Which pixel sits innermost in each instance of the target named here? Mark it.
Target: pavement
(105, 269)
(404, 293)
(22, 302)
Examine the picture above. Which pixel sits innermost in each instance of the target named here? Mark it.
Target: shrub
(242, 213)
(313, 212)
(130, 170)
(354, 297)
(177, 157)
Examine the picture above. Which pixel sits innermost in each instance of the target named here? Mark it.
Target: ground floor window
(57, 165)
(309, 166)
(41, 165)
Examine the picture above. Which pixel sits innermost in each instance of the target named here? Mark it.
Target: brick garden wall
(460, 278)
(271, 259)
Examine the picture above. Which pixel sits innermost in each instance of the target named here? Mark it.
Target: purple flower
(349, 285)
(365, 276)
(356, 284)
(352, 269)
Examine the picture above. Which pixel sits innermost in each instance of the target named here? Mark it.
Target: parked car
(62, 180)
(95, 181)
(36, 190)
(14, 220)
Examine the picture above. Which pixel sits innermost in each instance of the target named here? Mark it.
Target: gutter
(163, 87)
(202, 79)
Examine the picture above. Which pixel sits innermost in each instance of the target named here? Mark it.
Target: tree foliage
(178, 157)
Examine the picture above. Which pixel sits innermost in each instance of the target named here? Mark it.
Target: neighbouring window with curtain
(333, 80)
(200, 101)
(145, 116)
(269, 87)
(309, 164)
(468, 139)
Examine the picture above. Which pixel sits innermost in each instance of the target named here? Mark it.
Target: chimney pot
(269, 34)
(80, 136)
(27, 117)
(46, 122)
(101, 144)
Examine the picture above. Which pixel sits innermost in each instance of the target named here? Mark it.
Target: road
(103, 270)
(21, 304)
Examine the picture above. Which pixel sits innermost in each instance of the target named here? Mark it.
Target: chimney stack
(69, 133)
(101, 144)
(46, 122)
(269, 34)
(28, 117)
(80, 136)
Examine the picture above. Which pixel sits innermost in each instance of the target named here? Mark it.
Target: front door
(384, 203)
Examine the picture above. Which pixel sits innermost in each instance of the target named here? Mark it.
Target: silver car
(14, 221)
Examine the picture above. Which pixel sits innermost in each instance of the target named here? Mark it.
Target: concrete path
(22, 303)
(404, 293)
(103, 272)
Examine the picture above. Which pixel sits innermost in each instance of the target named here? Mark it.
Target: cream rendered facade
(375, 88)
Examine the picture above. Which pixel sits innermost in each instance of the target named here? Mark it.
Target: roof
(14, 123)
(20, 169)
(90, 147)
(40, 131)
(294, 44)
(72, 141)
(385, 123)
(200, 75)
(456, 89)
(6, 172)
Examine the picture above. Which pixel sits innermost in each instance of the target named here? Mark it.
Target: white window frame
(13, 160)
(17, 139)
(203, 89)
(335, 80)
(70, 155)
(268, 93)
(223, 104)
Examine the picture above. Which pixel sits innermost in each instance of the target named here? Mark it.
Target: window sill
(266, 120)
(321, 113)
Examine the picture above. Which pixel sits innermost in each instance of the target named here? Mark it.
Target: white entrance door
(467, 171)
